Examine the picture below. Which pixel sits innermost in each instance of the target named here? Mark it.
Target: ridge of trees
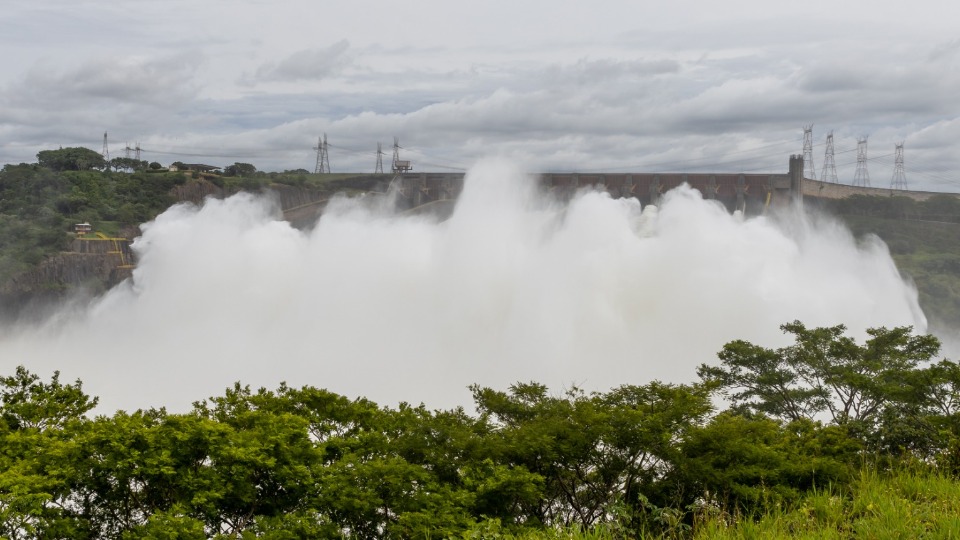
(637, 459)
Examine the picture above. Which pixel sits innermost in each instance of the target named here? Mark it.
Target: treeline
(636, 460)
(944, 208)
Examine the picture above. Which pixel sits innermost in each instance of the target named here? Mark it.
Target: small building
(198, 167)
(402, 166)
(82, 228)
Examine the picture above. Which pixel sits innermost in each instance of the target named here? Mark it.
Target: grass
(906, 504)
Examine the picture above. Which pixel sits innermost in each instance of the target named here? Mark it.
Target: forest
(799, 435)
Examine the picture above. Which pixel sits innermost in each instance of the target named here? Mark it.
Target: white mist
(514, 287)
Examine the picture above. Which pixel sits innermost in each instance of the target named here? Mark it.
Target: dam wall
(749, 193)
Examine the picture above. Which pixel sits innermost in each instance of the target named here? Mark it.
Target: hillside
(924, 240)
(41, 257)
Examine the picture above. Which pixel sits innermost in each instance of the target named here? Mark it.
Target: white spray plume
(513, 287)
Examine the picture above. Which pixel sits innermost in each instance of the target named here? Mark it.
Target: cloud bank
(560, 86)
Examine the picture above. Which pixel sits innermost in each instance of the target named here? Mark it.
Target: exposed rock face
(94, 264)
(196, 191)
(66, 269)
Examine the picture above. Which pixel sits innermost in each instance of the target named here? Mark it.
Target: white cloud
(306, 65)
(564, 86)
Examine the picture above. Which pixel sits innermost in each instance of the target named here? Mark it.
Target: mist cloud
(515, 286)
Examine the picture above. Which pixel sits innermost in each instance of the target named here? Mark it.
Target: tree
(753, 462)
(240, 169)
(592, 451)
(28, 403)
(71, 159)
(128, 164)
(827, 373)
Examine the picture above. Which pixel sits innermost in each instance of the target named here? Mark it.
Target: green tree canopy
(71, 159)
(239, 169)
(128, 164)
(825, 371)
(27, 402)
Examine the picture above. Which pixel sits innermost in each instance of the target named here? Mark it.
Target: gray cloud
(306, 65)
(157, 82)
(569, 88)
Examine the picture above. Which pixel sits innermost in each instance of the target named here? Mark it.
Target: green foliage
(591, 450)
(71, 159)
(28, 403)
(902, 504)
(752, 464)
(634, 462)
(128, 164)
(38, 207)
(825, 372)
(924, 240)
(239, 169)
(945, 207)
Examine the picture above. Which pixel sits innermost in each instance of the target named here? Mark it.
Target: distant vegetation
(39, 205)
(824, 438)
(924, 240)
(41, 202)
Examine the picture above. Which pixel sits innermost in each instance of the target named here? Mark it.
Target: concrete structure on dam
(749, 193)
(830, 190)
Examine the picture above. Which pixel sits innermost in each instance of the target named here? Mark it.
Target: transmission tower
(137, 152)
(323, 158)
(808, 152)
(399, 165)
(396, 152)
(899, 180)
(106, 149)
(379, 169)
(127, 150)
(829, 172)
(861, 177)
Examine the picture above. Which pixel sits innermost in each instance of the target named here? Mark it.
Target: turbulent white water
(513, 287)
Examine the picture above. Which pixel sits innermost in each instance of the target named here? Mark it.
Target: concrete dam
(748, 193)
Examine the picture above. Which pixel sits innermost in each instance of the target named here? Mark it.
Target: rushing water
(513, 287)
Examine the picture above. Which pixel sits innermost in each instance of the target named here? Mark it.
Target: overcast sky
(604, 86)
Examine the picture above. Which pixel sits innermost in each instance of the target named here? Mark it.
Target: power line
(715, 158)
(205, 154)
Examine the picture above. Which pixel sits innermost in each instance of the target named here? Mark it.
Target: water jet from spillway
(515, 286)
